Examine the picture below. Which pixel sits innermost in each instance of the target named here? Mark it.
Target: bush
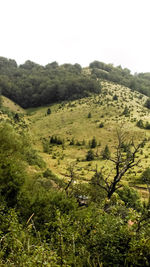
(130, 197)
(126, 112)
(115, 97)
(140, 124)
(93, 142)
(106, 153)
(101, 125)
(147, 126)
(48, 111)
(89, 115)
(147, 103)
(90, 155)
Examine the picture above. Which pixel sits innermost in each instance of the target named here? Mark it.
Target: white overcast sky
(77, 31)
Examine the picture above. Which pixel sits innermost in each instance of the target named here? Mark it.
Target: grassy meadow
(79, 121)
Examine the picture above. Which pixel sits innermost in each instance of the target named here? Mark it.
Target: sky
(77, 31)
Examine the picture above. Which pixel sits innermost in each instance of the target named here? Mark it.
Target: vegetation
(139, 82)
(32, 85)
(72, 191)
(147, 103)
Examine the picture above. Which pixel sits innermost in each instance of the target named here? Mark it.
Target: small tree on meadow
(140, 124)
(115, 97)
(89, 115)
(147, 103)
(126, 112)
(93, 142)
(90, 155)
(49, 111)
(106, 153)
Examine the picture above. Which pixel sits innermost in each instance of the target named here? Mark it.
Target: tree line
(32, 85)
(138, 82)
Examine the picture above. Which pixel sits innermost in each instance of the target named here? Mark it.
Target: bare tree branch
(123, 161)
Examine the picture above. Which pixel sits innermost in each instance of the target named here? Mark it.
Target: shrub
(115, 97)
(48, 111)
(147, 103)
(89, 115)
(93, 142)
(90, 155)
(101, 125)
(106, 153)
(130, 197)
(140, 124)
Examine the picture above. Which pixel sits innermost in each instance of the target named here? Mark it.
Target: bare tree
(124, 159)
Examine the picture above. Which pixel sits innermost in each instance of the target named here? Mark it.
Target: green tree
(130, 197)
(90, 155)
(140, 124)
(126, 112)
(93, 142)
(89, 115)
(115, 97)
(48, 111)
(106, 153)
(147, 103)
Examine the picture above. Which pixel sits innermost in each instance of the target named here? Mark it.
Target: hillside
(11, 105)
(69, 121)
(33, 85)
(58, 206)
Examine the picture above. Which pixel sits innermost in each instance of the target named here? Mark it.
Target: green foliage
(147, 103)
(90, 155)
(11, 179)
(72, 142)
(48, 111)
(126, 112)
(106, 153)
(32, 85)
(140, 124)
(1, 102)
(130, 197)
(147, 126)
(20, 247)
(93, 142)
(115, 97)
(12, 174)
(101, 125)
(97, 193)
(89, 115)
(145, 177)
(139, 82)
(56, 140)
(34, 159)
(42, 225)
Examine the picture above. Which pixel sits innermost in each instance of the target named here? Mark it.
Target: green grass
(70, 120)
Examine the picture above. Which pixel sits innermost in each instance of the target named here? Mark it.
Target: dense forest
(32, 85)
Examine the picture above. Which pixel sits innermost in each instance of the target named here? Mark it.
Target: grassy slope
(12, 106)
(70, 120)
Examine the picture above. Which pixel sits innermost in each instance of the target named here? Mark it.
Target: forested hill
(137, 82)
(32, 85)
